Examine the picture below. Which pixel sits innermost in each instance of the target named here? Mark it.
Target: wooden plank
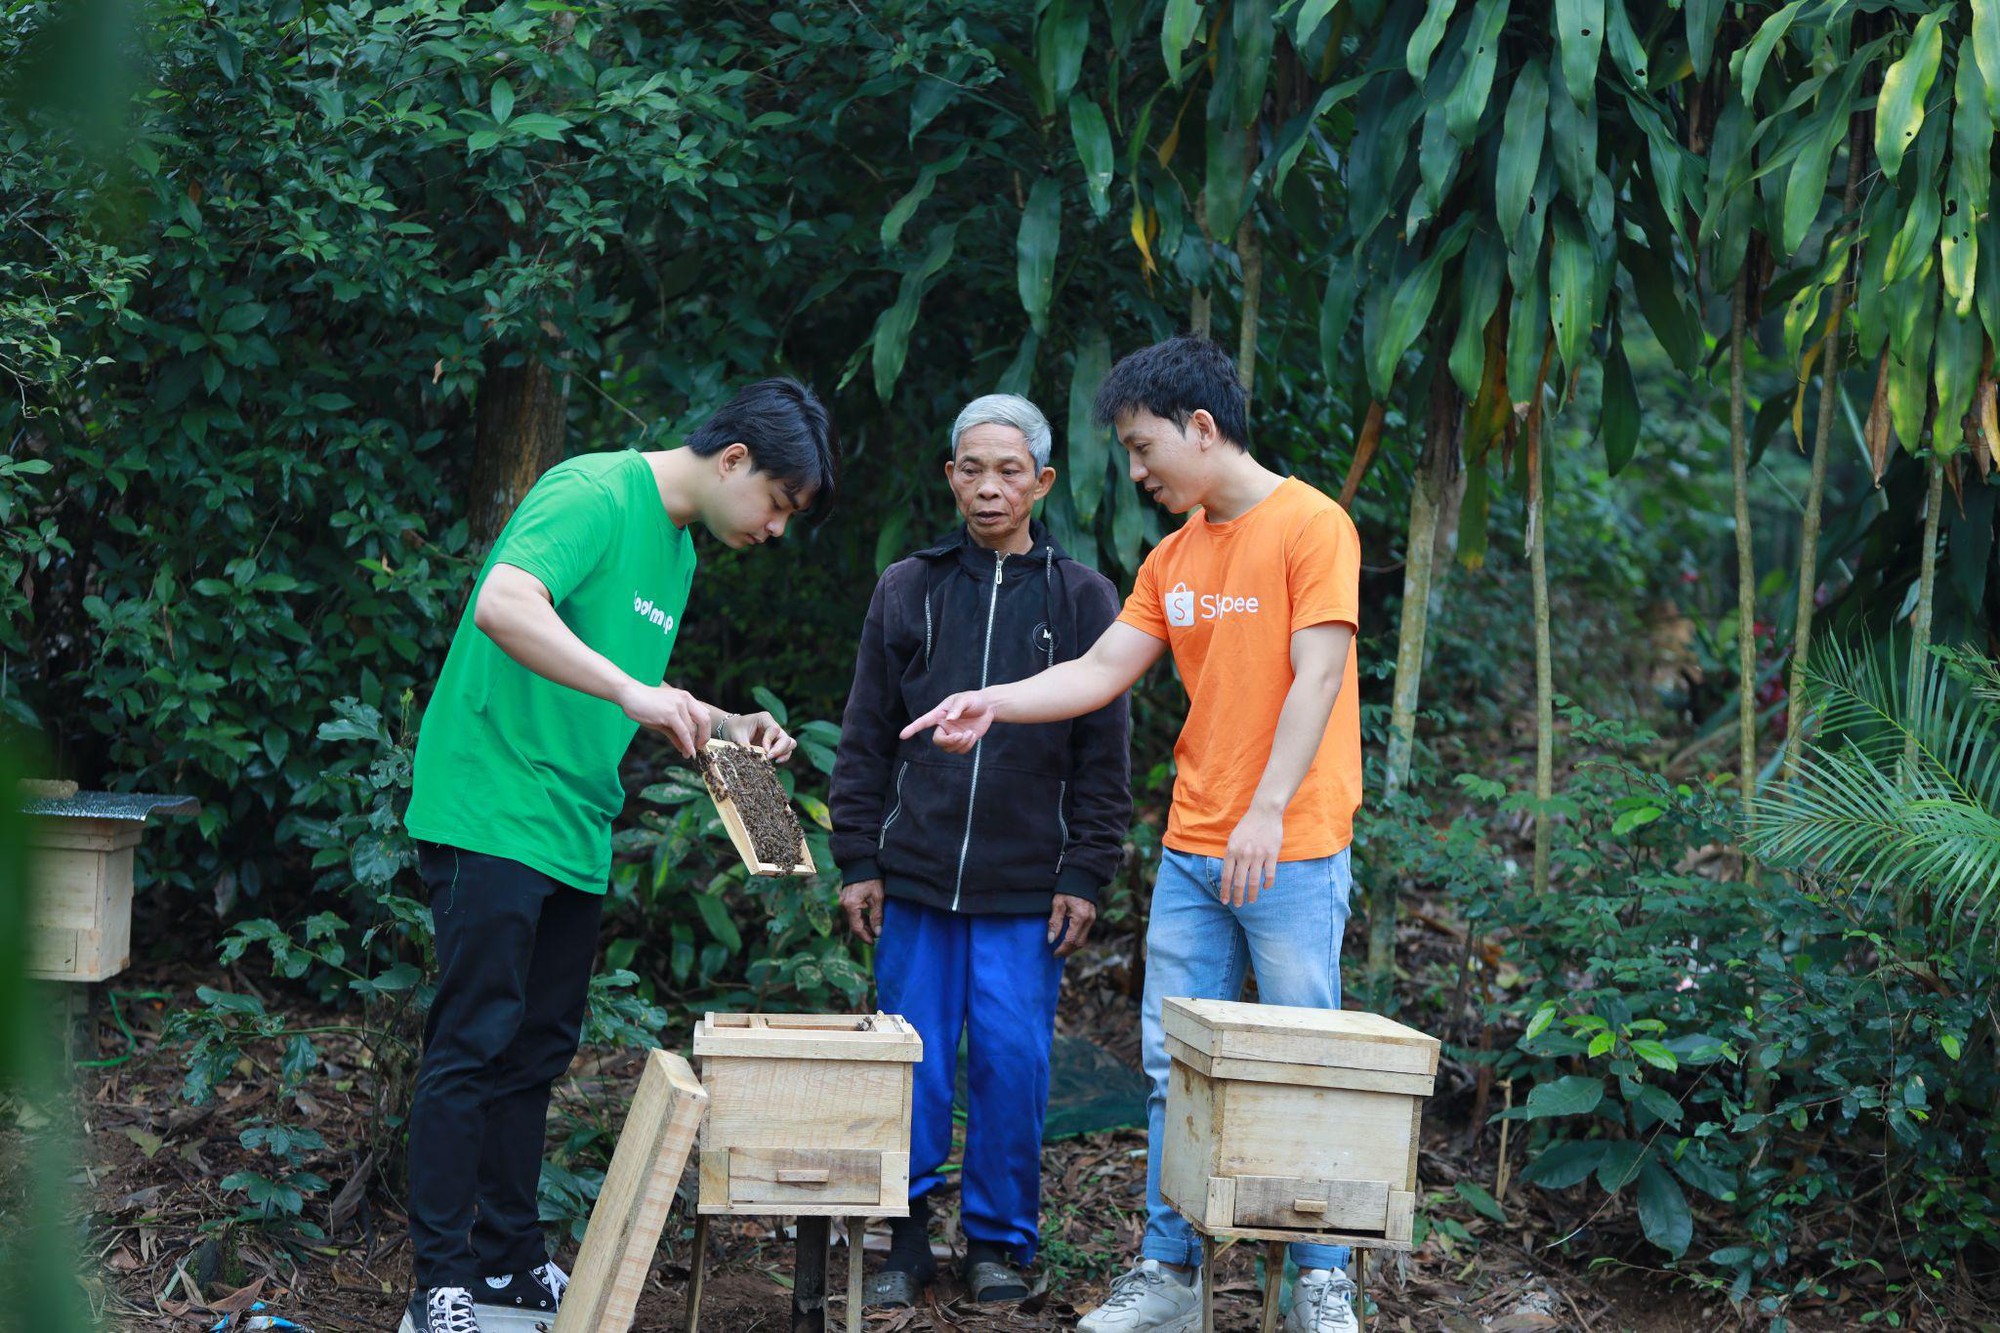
(1402, 1216)
(637, 1195)
(52, 954)
(1360, 1239)
(1416, 1142)
(1286, 1201)
(775, 1178)
(1292, 1035)
(83, 835)
(886, 1037)
(1219, 1209)
(1188, 1150)
(1274, 1281)
(739, 835)
(812, 1103)
(895, 1197)
(1317, 1076)
(1278, 1129)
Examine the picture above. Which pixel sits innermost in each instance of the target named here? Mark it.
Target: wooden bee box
(1286, 1122)
(80, 844)
(808, 1114)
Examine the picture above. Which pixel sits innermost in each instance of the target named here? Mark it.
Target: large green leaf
(1306, 18)
(1466, 102)
(1910, 339)
(1521, 131)
(1176, 31)
(1960, 344)
(1619, 422)
(1572, 288)
(1035, 250)
(1089, 443)
(1704, 21)
(1572, 1094)
(1986, 51)
(1424, 41)
(1805, 186)
(1481, 276)
(1986, 283)
(1438, 156)
(1750, 61)
(1336, 310)
(903, 209)
(1899, 107)
(1093, 148)
(1527, 332)
(1061, 38)
(1910, 249)
(1580, 36)
(892, 329)
(1628, 53)
(1226, 193)
(1663, 1210)
(1660, 301)
(1393, 325)
(1297, 132)
(1251, 26)
(1572, 138)
(1562, 1165)
(1968, 187)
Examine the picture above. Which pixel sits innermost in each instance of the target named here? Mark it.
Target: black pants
(514, 950)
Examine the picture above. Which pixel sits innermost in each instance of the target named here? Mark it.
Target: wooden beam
(638, 1193)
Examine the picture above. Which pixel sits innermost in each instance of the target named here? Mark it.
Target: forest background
(1650, 343)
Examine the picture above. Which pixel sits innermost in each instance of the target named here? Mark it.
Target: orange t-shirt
(1227, 598)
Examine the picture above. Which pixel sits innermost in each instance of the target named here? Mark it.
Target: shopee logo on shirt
(1183, 605)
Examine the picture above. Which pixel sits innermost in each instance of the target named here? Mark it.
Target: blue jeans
(995, 979)
(1196, 948)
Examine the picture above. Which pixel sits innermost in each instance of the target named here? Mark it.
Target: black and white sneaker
(441, 1310)
(520, 1302)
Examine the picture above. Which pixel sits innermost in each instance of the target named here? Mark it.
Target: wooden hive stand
(1287, 1124)
(80, 914)
(808, 1117)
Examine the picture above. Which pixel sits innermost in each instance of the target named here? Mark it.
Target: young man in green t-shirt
(557, 662)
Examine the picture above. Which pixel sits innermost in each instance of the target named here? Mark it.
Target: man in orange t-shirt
(1256, 595)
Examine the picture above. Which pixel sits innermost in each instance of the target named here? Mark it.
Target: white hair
(1006, 409)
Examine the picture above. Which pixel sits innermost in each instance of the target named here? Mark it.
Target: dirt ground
(165, 1255)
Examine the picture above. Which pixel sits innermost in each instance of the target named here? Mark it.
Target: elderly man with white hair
(975, 875)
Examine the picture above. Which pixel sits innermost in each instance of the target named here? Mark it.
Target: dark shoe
(990, 1276)
(440, 1310)
(520, 1302)
(890, 1289)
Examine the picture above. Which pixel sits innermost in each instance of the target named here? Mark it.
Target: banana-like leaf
(1661, 302)
(1955, 375)
(1725, 223)
(1871, 282)
(1177, 29)
(1061, 37)
(1254, 31)
(1968, 187)
(1748, 65)
(1910, 364)
(1618, 422)
(1917, 230)
(1704, 20)
(893, 327)
(1572, 288)
(1986, 51)
(1521, 131)
(1035, 250)
(1424, 41)
(1899, 107)
(1307, 17)
(1227, 189)
(1527, 333)
(1392, 325)
(903, 209)
(1089, 443)
(1093, 148)
(1297, 132)
(1986, 282)
(1480, 278)
(1336, 310)
(1580, 38)
(1438, 156)
(1628, 53)
(1472, 515)
(1572, 137)
(1467, 101)
(1805, 186)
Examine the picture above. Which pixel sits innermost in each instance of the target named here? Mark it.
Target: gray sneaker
(1147, 1299)
(1322, 1302)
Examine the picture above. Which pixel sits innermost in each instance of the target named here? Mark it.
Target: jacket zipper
(883, 840)
(1062, 822)
(985, 659)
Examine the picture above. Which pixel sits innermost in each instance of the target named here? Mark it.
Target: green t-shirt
(512, 764)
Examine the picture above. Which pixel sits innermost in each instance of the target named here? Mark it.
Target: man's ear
(1044, 482)
(1201, 429)
(732, 458)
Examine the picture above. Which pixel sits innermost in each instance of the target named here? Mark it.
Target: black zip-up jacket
(1034, 810)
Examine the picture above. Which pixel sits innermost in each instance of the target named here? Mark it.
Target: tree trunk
(1438, 475)
(1746, 574)
(1920, 621)
(1198, 316)
(1250, 251)
(1538, 570)
(1816, 488)
(522, 421)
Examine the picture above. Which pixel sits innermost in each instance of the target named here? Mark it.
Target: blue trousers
(1197, 948)
(995, 979)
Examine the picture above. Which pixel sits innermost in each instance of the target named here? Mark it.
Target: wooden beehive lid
(1344, 1038)
(809, 1037)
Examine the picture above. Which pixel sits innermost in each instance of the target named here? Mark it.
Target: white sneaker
(1148, 1298)
(1322, 1302)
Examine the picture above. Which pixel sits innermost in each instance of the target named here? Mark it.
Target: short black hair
(1175, 378)
(787, 430)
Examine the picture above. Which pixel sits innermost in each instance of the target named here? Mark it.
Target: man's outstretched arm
(1114, 663)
